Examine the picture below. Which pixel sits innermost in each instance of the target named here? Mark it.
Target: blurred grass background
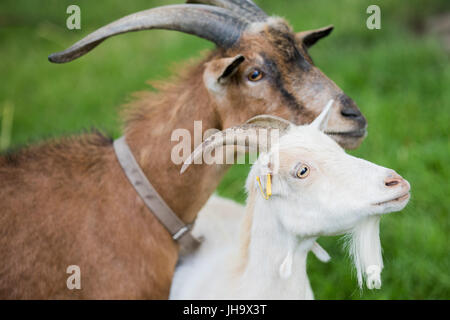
(399, 76)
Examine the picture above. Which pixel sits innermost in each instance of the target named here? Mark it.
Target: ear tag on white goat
(266, 195)
(320, 123)
(286, 265)
(373, 279)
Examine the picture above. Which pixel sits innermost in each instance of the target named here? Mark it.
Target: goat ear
(219, 71)
(321, 122)
(266, 164)
(310, 37)
(231, 66)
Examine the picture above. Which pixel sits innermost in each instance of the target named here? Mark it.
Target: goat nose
(391, 182)
(350, 110)
(350, 113)
(394, 180)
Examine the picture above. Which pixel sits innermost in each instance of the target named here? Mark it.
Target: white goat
(316, 190)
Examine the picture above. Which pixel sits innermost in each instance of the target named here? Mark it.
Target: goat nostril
(349, 108)
(392, 182)
(350, 113)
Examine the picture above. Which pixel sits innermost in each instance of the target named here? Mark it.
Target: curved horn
(268, 121)
(245, 8)
(218, 25)
(239, 136)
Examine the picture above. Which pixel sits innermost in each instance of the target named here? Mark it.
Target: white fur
(271, 22)
(341, 195)
(365, 250)
(218, 225)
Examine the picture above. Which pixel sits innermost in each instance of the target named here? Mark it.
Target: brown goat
(68, 202)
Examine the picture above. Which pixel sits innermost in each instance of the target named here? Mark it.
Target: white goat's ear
(321, 122)
(265, 164)
(218, 72)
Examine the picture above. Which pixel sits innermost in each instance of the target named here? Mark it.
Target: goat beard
(365, 250)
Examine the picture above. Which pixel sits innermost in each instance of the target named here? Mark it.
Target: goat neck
(152, 119)
(276, 258)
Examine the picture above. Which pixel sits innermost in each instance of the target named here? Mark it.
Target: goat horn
(218, 25)
(268, 121)
(244, 8)
(238, 136)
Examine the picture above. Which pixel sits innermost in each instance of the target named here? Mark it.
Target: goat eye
(255, 75)
(303, 172)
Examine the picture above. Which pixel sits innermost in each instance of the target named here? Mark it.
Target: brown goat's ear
(310, 37)
(231, 68)
(218, 71)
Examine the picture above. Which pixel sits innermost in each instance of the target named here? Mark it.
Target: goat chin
(365, 249)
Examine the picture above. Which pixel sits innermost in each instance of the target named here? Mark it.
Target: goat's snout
(350, 110)
(395, 180)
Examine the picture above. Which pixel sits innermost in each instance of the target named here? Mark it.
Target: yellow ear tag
(268, 192)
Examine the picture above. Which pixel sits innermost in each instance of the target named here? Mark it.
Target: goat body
(81, 212)
(214, 271)
(68, 202)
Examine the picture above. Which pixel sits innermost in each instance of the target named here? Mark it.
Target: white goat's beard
(365, 250)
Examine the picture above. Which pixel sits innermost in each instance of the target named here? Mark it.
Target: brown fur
(67, 202)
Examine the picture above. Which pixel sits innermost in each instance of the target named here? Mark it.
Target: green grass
(400, 80)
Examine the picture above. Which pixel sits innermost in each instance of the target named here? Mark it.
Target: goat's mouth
(402, 198)
(360, 133)
(348, 139)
